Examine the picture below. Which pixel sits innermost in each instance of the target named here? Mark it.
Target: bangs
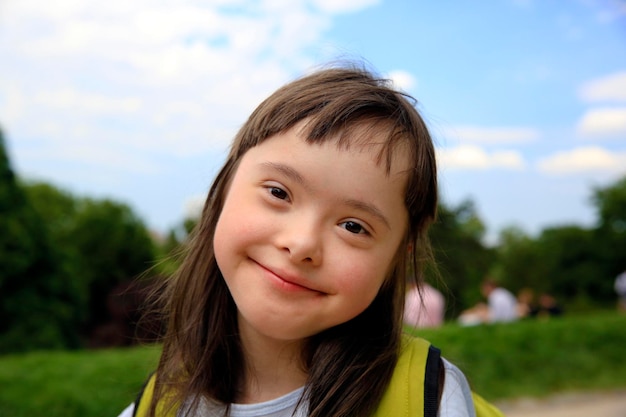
(348, 106)
(372, 133)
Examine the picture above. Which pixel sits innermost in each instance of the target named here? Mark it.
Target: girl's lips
(287, 281)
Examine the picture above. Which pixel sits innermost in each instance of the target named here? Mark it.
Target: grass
(77, 383)
(578, 353)
(538, 358)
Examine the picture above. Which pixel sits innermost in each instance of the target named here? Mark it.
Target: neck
(273, 367)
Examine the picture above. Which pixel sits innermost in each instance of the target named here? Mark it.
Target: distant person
(548, 307)
(425, 307)
(475, 315)
(501, 303)
(620, 289)
(526, 303)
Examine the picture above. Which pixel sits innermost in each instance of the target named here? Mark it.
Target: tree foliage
(577, 265)
(561, 261)
(103, 242)
(170, 251)
(39, 304)
(462, 258)
(62, 257)
(610, 232)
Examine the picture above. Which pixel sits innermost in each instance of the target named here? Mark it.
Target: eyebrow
(294, 175)
(369, 208)
(287, 171)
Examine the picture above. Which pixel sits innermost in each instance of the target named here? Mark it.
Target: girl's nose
(301, 238)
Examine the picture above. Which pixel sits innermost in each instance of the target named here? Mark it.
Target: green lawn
(538, 358)
(504, 361)
(79, 383)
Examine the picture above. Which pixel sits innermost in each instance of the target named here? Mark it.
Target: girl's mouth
(287, 282)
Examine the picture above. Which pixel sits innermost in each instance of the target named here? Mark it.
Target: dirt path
(605, 404)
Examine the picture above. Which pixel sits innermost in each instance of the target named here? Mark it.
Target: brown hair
(349, 366)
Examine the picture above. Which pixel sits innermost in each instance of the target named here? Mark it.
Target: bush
(538, 357)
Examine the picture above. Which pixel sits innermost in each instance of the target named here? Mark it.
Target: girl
(290, 299)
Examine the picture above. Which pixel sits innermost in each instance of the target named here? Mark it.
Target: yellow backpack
(413, 390)
(418, 372)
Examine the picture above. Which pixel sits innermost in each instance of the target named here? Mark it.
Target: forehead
(389, 148)
(333, 167)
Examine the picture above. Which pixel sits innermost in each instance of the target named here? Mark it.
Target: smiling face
(308, 232)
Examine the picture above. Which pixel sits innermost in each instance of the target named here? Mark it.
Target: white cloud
(402, 80)
(166, 41)
(603, 122)
(475, 158)
(492, 135)
(584, 160)
(172, 78)
(96, 157)
(69, 99)
(608, 88)
(12, 103)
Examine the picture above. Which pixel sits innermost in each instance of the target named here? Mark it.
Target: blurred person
(620, 289)
(475, 315)
(501, 303)
(526, 303)
(424, 307)
(548, 306)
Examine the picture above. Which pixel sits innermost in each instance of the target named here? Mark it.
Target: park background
(115, 116)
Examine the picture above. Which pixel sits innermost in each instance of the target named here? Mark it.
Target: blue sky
(139, 100)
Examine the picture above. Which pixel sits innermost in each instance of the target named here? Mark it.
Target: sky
(138, 100)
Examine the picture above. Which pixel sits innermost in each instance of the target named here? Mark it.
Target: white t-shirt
(456, 401)
(502, 306)
(620, 285)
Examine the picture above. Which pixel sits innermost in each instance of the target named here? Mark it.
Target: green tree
(570, 265)
(610, 204)
(114, 247)
(518, 261)
(575, 264)
(561, 261)
(462, 258)
(57, 208)
(37, 299)
(171, 249)
(610, 232)
(103, 244)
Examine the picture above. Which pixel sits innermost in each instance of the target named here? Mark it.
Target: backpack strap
(164, 408)
(139, 404)
(433, 388)
(432, 382)
(404, 396)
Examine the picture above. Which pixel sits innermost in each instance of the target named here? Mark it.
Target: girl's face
(308, 233)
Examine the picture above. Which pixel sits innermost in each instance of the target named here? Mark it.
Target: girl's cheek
(366, 282)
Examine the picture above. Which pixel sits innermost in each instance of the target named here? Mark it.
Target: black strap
(431, 382)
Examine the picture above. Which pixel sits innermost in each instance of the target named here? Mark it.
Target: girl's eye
(278, 193)
(354, 227)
